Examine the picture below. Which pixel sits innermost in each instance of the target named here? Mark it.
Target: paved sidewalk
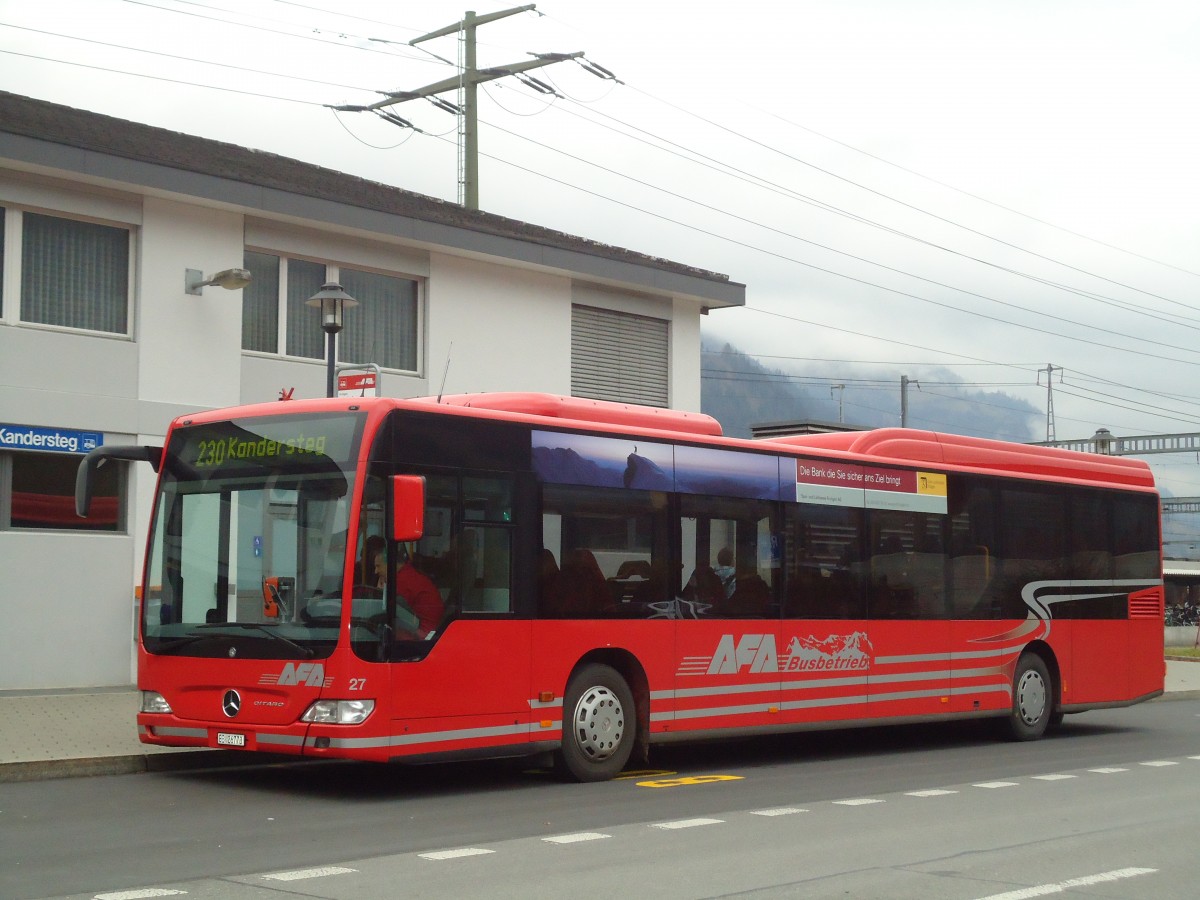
(59, 734)
(56, 734)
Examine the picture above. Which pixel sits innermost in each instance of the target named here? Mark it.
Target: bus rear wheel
(599, 725)
(1033, 700)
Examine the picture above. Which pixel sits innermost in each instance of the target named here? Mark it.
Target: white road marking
(576, 838)
(687, 823)
(1042, 890)
(300, 874)
(580, 837)
(455, 854)
(139, 894)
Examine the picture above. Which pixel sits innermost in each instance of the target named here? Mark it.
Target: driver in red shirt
(416, 593)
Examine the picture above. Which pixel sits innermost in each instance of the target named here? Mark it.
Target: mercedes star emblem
(231, 703)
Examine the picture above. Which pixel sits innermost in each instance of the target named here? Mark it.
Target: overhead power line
(852, 278)
(982, 199)
(881, 194)
(536, 173)
(466, 84)
(177, 57)
(162, 78)
(757, 223)
(318, 37)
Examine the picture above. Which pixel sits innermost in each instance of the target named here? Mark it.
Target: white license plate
(224, 739)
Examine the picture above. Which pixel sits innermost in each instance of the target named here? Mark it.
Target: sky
(961, 191)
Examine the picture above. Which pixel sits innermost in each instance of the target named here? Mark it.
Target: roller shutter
(619, 356)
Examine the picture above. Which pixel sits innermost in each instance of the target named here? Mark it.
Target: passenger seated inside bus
(725, 570)
(751, 596)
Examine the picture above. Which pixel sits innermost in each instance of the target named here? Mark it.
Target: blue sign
(54, 440)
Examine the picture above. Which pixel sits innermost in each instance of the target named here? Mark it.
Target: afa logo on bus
(307, 674)
(757, 653)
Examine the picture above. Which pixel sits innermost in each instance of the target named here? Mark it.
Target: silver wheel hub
(599, 723)
(1031, 697)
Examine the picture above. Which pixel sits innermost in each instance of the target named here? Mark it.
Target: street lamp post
(332, 301)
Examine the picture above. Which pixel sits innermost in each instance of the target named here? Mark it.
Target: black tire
(599, 725)
(1033, 699)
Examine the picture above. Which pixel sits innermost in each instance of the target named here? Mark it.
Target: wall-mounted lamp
(194, 281)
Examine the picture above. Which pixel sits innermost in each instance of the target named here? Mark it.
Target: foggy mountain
(739, 391)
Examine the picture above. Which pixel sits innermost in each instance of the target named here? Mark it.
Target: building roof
(41, 121)
(1181, 568)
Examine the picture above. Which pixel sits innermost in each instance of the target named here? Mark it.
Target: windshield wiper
(167, 645)
(247, 626)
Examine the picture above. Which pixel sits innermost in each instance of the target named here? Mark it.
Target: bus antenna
(445, 372)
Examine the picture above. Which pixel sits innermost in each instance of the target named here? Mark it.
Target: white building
(101, 218)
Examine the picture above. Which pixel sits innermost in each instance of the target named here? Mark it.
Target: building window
(37, 491)
(619, 356)
(260, 304)
(383, 329)
(72, 274)
(304, 335)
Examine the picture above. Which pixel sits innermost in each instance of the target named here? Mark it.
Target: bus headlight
(339, 712)
(154, 702)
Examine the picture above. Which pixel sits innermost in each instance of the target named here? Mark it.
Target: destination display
(274, 442)
(873, 487)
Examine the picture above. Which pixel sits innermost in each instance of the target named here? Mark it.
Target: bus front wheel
(599, 724)
(1033, 699)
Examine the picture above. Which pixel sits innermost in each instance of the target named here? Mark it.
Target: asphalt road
(1109, 806)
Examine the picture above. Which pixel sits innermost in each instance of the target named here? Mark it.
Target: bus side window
(481, 570)
(729, 559)
(467, 547)
(972, 558)
(1090, 556)
(1136, 543)
(824, 560)
(1033, 531)
(907, 567)
(604, 553)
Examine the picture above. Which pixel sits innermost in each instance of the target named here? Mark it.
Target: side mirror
(408, 507)
(96, 458)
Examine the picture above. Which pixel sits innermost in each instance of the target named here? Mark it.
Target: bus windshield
(249, 532)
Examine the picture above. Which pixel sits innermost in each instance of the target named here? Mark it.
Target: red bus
(523, 574)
